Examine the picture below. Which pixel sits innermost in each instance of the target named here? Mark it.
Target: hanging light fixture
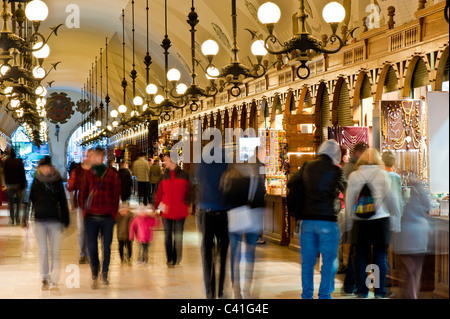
(235, 72)
(194, 91)
(165, 104)
(22, 53)
(333, 13)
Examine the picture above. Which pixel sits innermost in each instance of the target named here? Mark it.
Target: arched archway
(243, 120)
(211, 120)
(305, 104)
(387, 85)
(253, 119)
(234, 118)
(341, 112)
(218, 120)
(276, 116)
(226, 120)
(442, 74)
(322, 113)
(416, 79)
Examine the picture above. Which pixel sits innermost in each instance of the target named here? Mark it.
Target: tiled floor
(276, 275)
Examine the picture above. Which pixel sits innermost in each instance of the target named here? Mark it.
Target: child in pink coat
(141, 230)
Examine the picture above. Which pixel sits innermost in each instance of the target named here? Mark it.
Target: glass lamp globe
(181, 88)
(15, 103)
(159, 99)
(138, 101)
(212, 73)
(144, 107)
(115, 123)
(36, 11)
(173, 75)
(134, 113)
(98, 123)
(258, 48)
(8, 91)
(42, 53)
(269, 13)
(41, 101)
(39, 72)
(4, 69)
(122, 109)
(114, 113)
(109, 127)
(333, 12)
(41, 91)
(151, 89)
(210, 48)
(19, 113)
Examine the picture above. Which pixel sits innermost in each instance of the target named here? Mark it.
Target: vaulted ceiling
(78, 47)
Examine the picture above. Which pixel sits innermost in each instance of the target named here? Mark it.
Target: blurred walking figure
(213, 224)
(123, 225)
(173, 196)
(141, 230)
(141, 169)
(16, 183)
(388, 159)
(155, 175)
(373, 211)
(51, 214)
(318, 184)
(342, 268)
(75, 184)
(101, 195)
(126, 182)
(245, 190)
(411, 244)
(349, 286)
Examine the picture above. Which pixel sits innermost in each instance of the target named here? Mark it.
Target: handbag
(244, 219)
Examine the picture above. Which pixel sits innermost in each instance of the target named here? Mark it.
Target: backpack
(365, 205)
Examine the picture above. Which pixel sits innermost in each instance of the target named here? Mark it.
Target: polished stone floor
(276, 274)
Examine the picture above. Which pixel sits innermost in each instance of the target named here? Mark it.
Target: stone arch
(234, 118)
(387, 68)
(276, 107)
(357, 92)
(341, 111)
(211, 120)
(218, 121)
(408, 82)
(253, 119)
(243, 120)
(322, 99)
(305, 95)
(440, 74)
(226, 120)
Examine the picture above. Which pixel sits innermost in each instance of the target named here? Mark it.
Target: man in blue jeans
(101, 194)
(318, 184)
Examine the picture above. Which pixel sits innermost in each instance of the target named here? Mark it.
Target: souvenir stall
(276, 226)
(404, 130)
(349, 136)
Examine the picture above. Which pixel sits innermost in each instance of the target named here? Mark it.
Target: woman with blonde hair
(372, 212)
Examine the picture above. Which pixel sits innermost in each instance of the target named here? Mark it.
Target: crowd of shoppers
(342, 197)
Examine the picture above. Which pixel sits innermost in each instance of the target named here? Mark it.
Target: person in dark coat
(213, 223)
(126, 181)
(51, 214)
(320, 182)
(16, 184)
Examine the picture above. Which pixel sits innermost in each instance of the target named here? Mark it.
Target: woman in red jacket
(173, 197)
